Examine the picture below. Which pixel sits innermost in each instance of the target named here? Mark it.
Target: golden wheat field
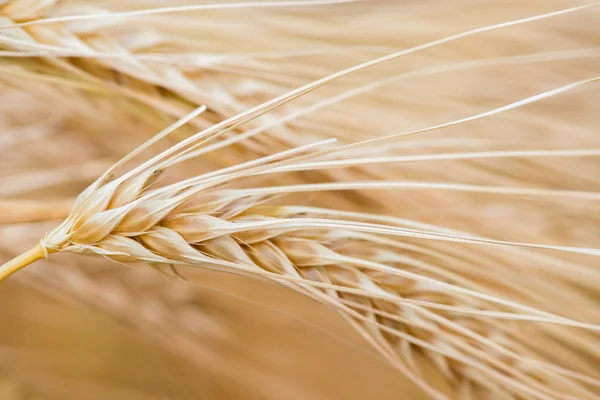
(299, 199)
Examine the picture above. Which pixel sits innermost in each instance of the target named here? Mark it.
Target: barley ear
(23, 260)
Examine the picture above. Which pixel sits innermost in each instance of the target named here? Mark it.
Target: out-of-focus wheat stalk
(89, 48)
(342, 259)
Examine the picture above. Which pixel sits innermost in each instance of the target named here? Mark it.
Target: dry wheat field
(299, 199)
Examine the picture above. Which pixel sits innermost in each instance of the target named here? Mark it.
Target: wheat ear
(120, 62)
(361, 267)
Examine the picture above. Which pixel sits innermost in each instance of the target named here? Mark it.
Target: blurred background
(81, 328)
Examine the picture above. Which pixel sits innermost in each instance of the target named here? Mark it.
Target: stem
(21, 261)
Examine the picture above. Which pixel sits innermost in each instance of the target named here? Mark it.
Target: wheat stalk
(121, 63)
(115, 60)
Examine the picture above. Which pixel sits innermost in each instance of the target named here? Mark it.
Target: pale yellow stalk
(36, 253)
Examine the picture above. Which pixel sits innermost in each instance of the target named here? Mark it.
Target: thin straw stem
(22, 261)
